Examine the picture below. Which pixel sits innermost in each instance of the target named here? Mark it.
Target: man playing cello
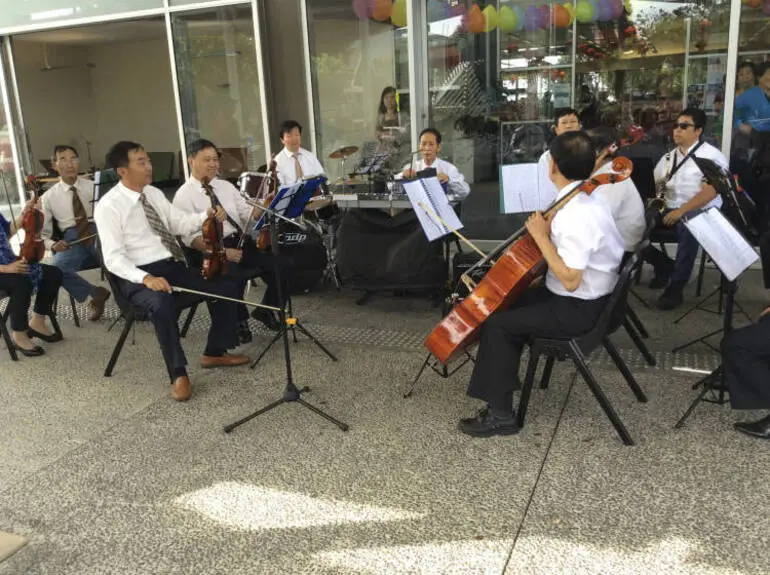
(583, 250)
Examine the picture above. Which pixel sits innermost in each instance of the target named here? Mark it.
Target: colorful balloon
(571, 9)
(490, 18)
(532, 18)
(382, 9)
(560, 16)
(766, 8)
(506, 19)
(753, 3)
(476, 20)
(362, 9)
(545, 16)
(584, 12)
(398, 13)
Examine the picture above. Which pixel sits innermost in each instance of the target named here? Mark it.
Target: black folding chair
(4, 329)
(579, 348)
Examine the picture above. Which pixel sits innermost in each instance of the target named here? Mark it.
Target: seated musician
(565, 120)
(69, 205)
(19, 280)
(622, 197)
(243, 264)
(746, 361)
(295, 162)
(685, 191)
(136, 226)
(430, 146)
(583, 250)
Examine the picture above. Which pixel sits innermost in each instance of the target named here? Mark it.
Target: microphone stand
(291, 392)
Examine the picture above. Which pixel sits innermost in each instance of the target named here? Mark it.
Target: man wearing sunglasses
(685, 191)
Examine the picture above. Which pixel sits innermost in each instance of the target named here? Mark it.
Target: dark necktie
(82, 225)
(160, 229)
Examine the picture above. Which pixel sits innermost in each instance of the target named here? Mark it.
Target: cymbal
(343, 152)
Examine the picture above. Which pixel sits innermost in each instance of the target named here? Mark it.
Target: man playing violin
(137, 225)
(19, 280)
(69, 205)
(583, 249)
(244, 262)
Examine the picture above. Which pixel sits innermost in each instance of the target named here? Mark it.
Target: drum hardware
(342, 154)
(327, 231)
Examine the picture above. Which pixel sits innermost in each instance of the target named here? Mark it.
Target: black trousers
(746, 361)
(686, 254)
(253, 264)
(163, 310)
(19, 289)
(538, 313)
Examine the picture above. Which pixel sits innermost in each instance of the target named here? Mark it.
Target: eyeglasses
(683, 125)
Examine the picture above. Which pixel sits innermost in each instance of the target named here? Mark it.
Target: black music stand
(288, 203)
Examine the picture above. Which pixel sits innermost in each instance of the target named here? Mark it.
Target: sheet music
(729, 250)
(521, 192)
(430, 194)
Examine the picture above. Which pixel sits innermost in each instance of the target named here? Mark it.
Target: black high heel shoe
(53, 338)
(34, 352)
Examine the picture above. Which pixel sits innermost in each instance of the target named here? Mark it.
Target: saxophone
(658, 203)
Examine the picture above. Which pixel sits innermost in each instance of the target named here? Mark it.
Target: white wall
(126, 95)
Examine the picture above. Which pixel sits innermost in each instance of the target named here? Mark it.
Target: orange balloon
(476, 20)
(560, 16)
(754, 3)
(382, 9)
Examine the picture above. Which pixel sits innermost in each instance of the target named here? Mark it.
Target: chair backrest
(124, 305)
(162, 166)
(615, 309)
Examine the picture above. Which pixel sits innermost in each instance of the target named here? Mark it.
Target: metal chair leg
(623, 368)
(188, 320)
(631, 314)
(118, 347)
(546, 379)
(526, 389)
(639, 343)
(7, 337)
(75, 317)
(701, 271)
(604, 402)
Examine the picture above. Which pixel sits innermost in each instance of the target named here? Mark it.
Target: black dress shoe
(489, 422)
(658, 282)
(244, 333)
(672, 298)
(34, 352)
(759, 428)
(267, 318)
(53, 338)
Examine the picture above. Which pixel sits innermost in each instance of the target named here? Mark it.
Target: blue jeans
(686, 253)
(71, 261)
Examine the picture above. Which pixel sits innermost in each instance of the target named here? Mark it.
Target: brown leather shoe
(225, 360)
(181, 389)
(96, 305)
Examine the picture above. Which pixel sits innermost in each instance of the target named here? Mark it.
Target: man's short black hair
(602, 136)
(698, 116)
(561, 112)
(287, 126)
(58, 149)
(574, 154)
(433, 131)
(197, 146)
(117, 157)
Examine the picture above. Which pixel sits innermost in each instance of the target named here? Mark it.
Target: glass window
(219, 84)
(750, 146)
(9, 192)
(359, 63)
(34, 12)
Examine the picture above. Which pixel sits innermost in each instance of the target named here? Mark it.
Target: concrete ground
(109, 475)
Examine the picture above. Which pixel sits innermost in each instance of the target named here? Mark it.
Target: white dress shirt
(457, 186)
(626, 207)
(545, 188)
(126, 236)
(287, 168)
(57, 205)
(688, 179)
(586, 239)
(191, 198)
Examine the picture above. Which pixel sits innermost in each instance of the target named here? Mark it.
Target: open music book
(729, 250)
(428, 192)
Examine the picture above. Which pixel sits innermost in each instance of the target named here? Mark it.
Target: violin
(265, 196)
(214, 254)
(33, 247)
(520, 262)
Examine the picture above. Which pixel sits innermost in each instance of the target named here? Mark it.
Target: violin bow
(225, 298)
(83, 239)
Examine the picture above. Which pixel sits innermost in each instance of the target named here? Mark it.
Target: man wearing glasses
(69, 206)
(565, 120)
(685, 191)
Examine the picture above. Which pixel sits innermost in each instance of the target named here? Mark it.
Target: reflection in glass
(43, 11)
(219, 84)
(360, 74)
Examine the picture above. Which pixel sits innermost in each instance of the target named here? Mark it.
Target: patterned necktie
(297, 167)
(160, 229)
(82, 224)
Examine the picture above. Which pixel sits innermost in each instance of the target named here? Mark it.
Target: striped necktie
(82, 225)
(160, 229)
(297, 166)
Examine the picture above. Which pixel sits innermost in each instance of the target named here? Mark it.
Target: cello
(518, 262)
(33, 247)
(214, 254)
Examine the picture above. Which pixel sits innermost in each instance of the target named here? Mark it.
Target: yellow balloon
(490, 18)
(571, 9)
(398, 16)
(506, 19)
